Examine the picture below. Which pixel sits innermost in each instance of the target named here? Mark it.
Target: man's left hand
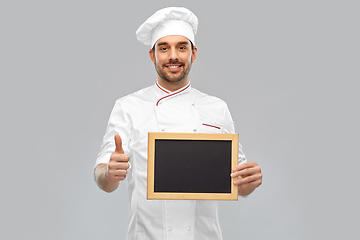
(247, 177)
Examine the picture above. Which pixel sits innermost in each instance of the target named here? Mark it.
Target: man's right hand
(119, 162)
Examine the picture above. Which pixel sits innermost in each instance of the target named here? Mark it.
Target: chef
(171, 104)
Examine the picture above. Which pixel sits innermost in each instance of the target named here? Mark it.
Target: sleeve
(119, 123)
(229, 127)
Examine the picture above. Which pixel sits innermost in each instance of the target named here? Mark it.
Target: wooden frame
(191, 161)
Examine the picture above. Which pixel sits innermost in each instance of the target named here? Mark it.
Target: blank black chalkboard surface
(192, 166)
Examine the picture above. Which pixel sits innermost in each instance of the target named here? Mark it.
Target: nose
(173, 55)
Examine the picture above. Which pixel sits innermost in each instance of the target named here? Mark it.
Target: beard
(173, 77)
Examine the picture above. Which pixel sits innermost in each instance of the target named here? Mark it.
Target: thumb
(118, 144)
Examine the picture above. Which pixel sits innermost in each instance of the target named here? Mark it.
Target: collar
(167, 93)
(161, 89)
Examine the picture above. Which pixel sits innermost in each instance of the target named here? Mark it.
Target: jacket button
(169, 229)
(189, 228)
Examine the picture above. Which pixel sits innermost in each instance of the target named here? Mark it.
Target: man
(170, 105)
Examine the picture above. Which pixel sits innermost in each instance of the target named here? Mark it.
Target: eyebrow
(161, 43)
(183, 43)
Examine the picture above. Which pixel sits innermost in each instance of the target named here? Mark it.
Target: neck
(172, 86)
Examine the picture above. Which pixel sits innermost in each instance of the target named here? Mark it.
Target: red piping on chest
(210, 125)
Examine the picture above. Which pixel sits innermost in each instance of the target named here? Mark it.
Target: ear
(152, 55)
(194, 54)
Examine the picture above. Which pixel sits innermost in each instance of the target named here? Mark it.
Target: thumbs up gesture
(119, 162)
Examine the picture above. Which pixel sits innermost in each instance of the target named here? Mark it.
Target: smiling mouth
(173, 67)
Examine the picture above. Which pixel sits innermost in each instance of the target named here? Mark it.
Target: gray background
(289, 71)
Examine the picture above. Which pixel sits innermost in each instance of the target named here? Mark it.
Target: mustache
(176, 61)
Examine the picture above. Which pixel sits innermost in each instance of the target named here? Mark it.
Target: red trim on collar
(173, 94)
(161, 88)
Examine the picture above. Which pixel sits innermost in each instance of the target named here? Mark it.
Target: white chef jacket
(156, 109)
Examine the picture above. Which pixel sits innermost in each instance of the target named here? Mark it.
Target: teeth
(173, 66)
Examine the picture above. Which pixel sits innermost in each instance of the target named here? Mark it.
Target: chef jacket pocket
(210, 127)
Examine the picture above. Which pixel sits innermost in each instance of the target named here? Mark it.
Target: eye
(182, 48)
(163, 49)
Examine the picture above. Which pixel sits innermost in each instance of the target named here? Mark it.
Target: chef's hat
(166, 22)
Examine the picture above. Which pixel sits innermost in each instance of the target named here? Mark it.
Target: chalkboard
(191, 166)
